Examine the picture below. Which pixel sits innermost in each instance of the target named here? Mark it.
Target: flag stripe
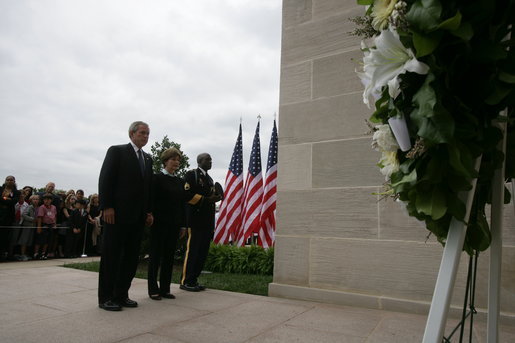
(229, 221)
(253, 193)
(267, 231)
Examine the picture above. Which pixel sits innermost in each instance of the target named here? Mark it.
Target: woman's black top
(169, 205)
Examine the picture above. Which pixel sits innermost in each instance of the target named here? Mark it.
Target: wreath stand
(442, 295)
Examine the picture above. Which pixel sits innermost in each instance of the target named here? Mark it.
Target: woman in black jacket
(9, 197)
(169, 223)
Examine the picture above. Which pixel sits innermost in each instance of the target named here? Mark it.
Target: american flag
(252, 194)
(228, 223)
(267, 232)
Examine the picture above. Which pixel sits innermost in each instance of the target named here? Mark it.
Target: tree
(158, 148)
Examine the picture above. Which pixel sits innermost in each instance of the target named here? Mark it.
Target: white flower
(381, 12)
(389, 163)
(383, 139)
(383, 64)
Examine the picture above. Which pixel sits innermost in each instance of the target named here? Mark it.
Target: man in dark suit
(124, 186)
(200, 210)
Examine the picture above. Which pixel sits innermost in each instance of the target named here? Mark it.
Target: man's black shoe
(110, 306)
(190, 288)
(128, 303)
(201, 287)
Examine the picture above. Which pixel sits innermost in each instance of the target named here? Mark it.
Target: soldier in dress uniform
(200, 209)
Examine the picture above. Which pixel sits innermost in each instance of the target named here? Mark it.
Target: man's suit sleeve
(151, 190)
(107, 179)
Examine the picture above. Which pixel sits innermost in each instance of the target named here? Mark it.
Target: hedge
(241, 260)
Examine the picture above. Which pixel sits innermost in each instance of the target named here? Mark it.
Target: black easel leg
(464, 313)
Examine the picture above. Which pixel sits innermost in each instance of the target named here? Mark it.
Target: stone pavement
(42, 302)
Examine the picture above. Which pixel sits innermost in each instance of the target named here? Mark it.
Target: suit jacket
(123, 187)
(78, 220)
(200, 213)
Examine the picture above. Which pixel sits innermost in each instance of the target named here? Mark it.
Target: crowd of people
(47, 224)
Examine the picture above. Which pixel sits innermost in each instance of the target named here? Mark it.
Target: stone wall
(337, 240)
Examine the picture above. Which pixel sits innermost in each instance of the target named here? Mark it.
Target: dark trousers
(71, 246)
(119, 261)
(196, 253)
(163, 241)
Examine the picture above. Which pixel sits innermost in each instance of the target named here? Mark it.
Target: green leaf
(507, 77)
(425, 15)
(464, 32)
(434, 125)
(456, 207)
(432, 203)
(458, 159)
(425, 44)
(438, 228)
(409, 179)
(497, 95)
(457, 183)
(478, 234)
(451, 23)
(425, 98)
(488, 51)
(365, 2)
(434, 170)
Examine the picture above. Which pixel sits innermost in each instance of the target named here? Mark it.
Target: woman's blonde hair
(69, 199)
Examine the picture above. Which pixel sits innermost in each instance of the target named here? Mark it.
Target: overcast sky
(74, 74)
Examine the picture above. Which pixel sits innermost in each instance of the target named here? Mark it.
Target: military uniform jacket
(200, 213)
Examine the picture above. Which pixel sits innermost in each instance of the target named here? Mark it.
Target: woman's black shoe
(168, 295)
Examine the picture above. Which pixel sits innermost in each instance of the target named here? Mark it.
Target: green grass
(241, 283)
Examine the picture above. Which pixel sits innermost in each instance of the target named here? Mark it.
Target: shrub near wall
(240, 260)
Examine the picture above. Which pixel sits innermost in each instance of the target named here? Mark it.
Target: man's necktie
(141, 162)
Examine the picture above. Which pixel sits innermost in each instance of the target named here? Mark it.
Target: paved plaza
(43, 302)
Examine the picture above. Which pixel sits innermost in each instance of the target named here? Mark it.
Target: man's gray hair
(134, 126)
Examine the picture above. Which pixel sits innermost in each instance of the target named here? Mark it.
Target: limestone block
(396, 224)
(317, 39)
(382, 268)
(291, 260)
(507, 279)
(295, 83)
(296, 12)
(294, 167)
(322, 295)
(345, 163)
(324, 119)
(345, 213)
(294, 213)
(508, 230)
(336, 75)
(327, 8)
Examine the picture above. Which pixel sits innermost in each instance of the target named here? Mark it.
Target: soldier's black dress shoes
(128, 303)
(110, 306)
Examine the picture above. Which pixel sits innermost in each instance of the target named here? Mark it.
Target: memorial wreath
(440, 76)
